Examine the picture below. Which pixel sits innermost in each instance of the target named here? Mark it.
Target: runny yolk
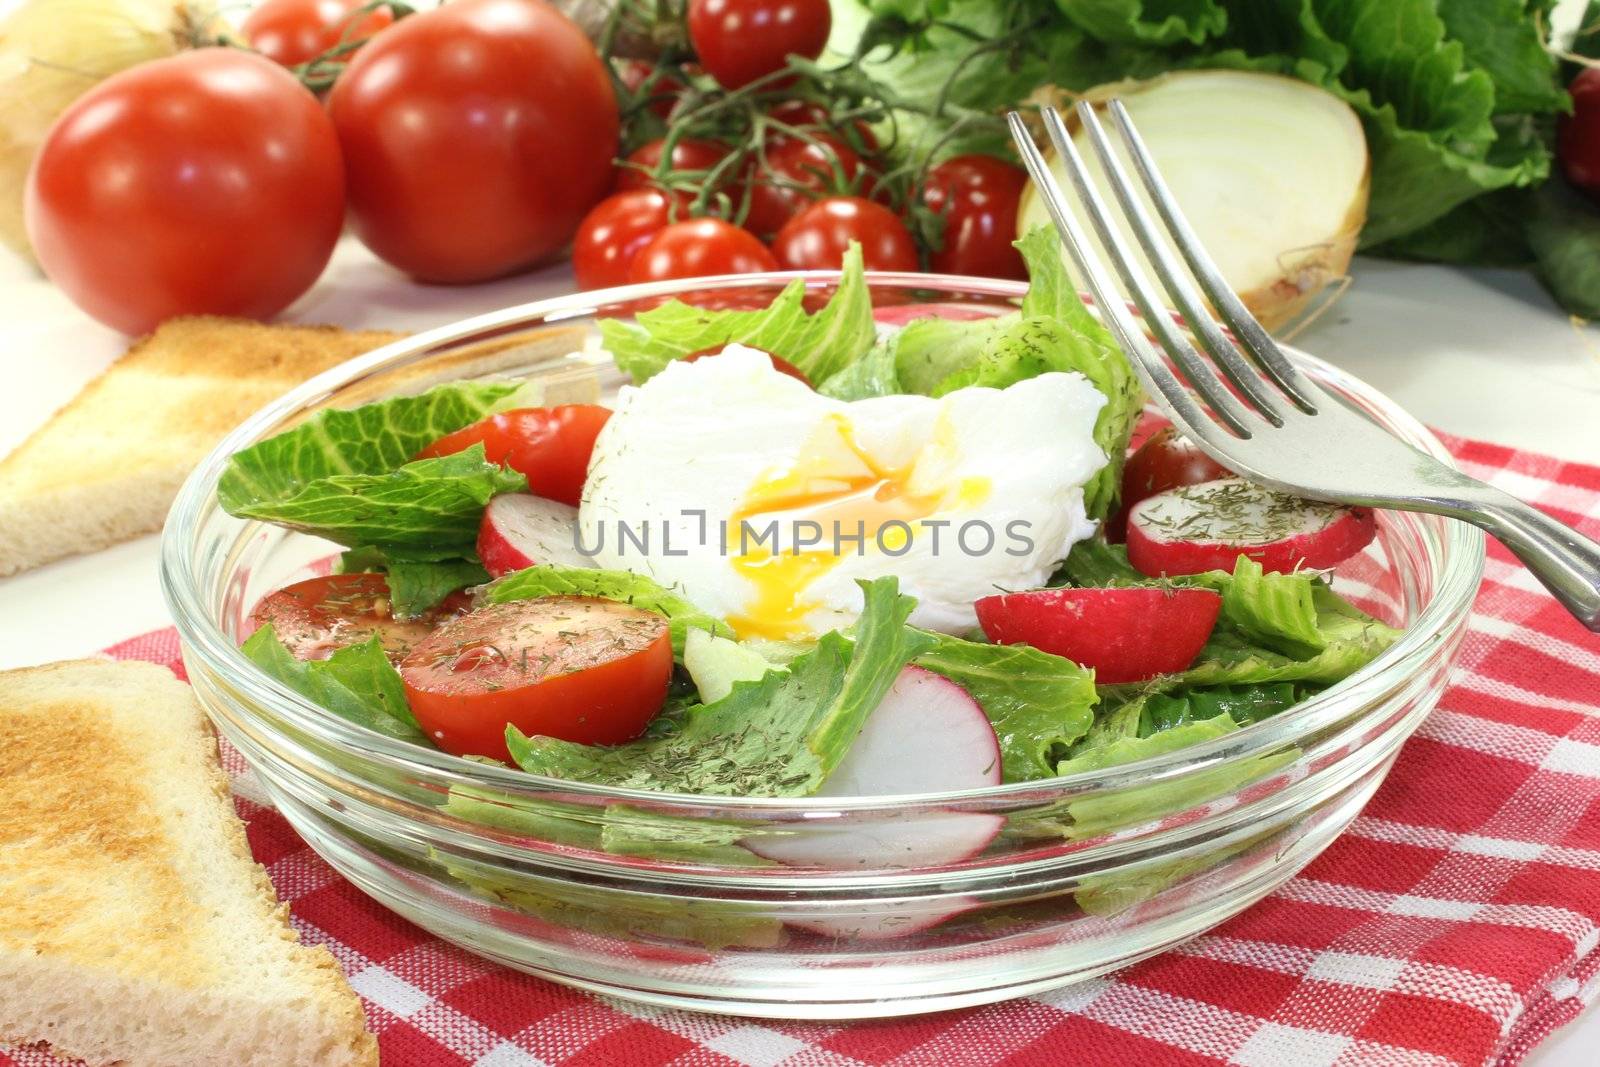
(839, 485)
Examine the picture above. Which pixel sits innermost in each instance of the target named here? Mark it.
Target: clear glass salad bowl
(665, 898)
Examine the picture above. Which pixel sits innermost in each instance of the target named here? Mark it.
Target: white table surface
(1479, 353)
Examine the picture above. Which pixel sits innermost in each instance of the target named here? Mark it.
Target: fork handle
(1567, 562)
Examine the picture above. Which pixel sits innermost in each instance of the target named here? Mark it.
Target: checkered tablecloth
(1455, 923)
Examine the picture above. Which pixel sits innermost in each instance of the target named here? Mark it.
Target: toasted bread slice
(106, 467)
(134, 925)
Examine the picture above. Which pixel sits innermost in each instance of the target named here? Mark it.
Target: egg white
(688, 452)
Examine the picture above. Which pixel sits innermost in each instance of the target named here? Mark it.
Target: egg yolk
(839, 485)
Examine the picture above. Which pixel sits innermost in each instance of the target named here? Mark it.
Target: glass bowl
(665, 898)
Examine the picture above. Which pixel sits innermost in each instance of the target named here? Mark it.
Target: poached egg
(763, 502)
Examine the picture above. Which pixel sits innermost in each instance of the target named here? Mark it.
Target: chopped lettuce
(872, 375)
(716, 663)
(1094, 562)
(356, 683)
(1038, 704)
(928, 351)
(779, 736)
(624, 586)
(417, 583)
(819, 344)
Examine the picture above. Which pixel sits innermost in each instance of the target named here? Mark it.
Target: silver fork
(1280, 428)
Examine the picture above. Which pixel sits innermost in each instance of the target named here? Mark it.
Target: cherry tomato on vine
(476, 137)
(796, 173)
(290, 32)
(739, 41)
(1578, 134)
(551, 446)
(817, 237)
(205, 183)
(813, 118)
(664, 90)
(611, 234)
(699, 247)
(978, 197)
(691, 153)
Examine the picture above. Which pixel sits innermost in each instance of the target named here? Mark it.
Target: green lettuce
(872, 375)
(779, 736)
(357, 683)
(819, 344)
(1038, 704)
(624, 586)
(416, 583)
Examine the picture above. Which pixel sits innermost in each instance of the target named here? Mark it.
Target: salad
(806, 553)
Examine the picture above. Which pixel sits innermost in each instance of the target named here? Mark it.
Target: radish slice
(1206, 527)
(926, 736)
(520, 530)
(1125, 635)
(898, 918)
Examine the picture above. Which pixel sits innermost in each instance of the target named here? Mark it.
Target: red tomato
(205, 183)
(610, 236)
(1167, 460)
(290, 32)
(475, 137)
(779, 364)
(739, 41)
(688, 154)
(551, 446)
(700, 247)
(978, 196)
(1125, 635)
(796, 172)
(1578, 134)
(812, 118)
(577, 668)
(816, 238)
(319, 616)
(664, 90)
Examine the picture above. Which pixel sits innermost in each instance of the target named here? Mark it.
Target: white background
(1478, 353)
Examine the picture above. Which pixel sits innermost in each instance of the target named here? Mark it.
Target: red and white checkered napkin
(1455, 923)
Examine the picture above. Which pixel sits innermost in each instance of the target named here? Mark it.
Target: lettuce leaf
(416, 583)
(356, 683)
(1038, 704)
(625, 586)
(779, 736)
(872, 375)
(819, 344)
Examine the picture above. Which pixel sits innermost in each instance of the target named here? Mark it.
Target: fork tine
(1201, 377)
(1176, 281)
(1232, 311)
(1151, 368)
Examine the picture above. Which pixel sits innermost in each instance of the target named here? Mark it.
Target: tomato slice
(779, 364)
(576, 668)
(318, 616)
(551, 446)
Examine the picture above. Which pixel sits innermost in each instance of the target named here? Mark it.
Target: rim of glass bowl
(1456, 577)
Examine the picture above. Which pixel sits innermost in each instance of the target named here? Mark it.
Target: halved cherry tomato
(978, 196)
(1168, 460)
(739, 41)
(551, 446)
(796, 173)
(816, 238)
(699, 247)
(289, 32)
(319, 616)
(779, 364)
(576, 668)
(614, 231)
(688, 154)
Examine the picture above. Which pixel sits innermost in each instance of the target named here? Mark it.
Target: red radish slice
(926, 736)
(1125, 635)
(1206, 527)
(520, 530)
(892, 918)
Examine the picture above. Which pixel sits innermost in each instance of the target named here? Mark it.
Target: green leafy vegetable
(415, 584)
(1094, 562)
(1038, 704)
(820, 344)
(928, 351)
(356, 683)
(871, 375)
(779, 736)
(624, 586)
